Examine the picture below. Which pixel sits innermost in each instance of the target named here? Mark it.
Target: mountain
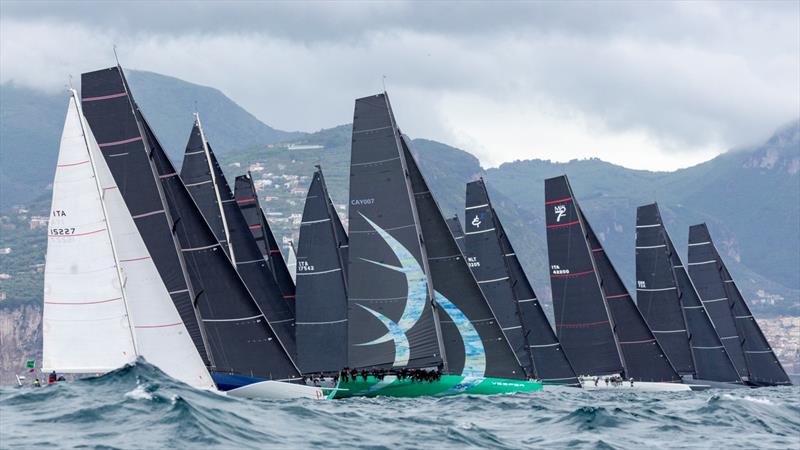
(30, 127)
(750, 197)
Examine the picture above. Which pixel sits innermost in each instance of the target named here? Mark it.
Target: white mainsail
(158, 332)
(86, 327)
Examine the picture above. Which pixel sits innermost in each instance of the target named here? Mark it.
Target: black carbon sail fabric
(582, 319)
(241, 339)
(657, 294)
(249, 261)
(196, 176)
(549, 360)
(321, 288)
(711, 360)
(488, 265)
(109, 109)
(458, 233)
(463, 310)
(247, 199)
(390, 312)
(763, 366)
(704, 270)
(643, 356)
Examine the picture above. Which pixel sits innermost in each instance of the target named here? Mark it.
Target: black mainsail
(205, 181)
(488, 264)
(468, 322)
(764, 368)
(549, 361)
(388, 287)
(402, 256)
(321, 284)
(110, 112)
(641, 355)
(704, 271)
(657, 294)
(238, 337)
(247, 199)
(711, 360)
(455, 229)
(581, 315)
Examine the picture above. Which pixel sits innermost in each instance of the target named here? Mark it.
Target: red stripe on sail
(581, 325)
(76, 234)
(253, 227)
(568, 199)
(125, 141)
(73, 164)
(159, 326)
(595, 250)
(618, 296)
(567, 275)
(560, 225)
(104, 97)
(246, 200)
(84, 303)
(645, 341)
(274, 251)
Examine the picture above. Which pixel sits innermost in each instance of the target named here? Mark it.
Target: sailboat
(499, 273)
(247, 199)
(205, 181)
(291, 261)
(415, 310)
(752, 354)
(321, 284)
(671, 306)
(600, 328)
(231, 333)
(104, 302)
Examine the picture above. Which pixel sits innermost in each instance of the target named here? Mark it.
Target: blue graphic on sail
(474, 353)
(415, 301)
(402, 350)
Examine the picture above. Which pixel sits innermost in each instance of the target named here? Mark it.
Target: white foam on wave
(747, 398)
(139, 393)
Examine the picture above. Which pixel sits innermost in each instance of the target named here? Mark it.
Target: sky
(645, 85)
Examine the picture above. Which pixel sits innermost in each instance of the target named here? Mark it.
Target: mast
(101, 196)
(216, 188)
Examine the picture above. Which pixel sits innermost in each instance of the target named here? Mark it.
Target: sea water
(139, 407)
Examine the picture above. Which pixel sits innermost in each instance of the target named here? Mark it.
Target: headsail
(491, 272)
(704, 270)
(390, 311)
(549, 361)
(657, 294)
(239, 338)
(210, 190)
(247, 199)
(321, 285)
(763, 366)
(469, 322)
(291, 261)
(581, 315)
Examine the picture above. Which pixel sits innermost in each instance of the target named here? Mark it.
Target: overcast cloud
(644, 85)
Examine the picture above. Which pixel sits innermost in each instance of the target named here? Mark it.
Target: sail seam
(320, 272)
(476, 207)
(124, 141)
(236, 319)
(104, 97)
(198, 183)
(702, 262)
(478, 232)
(715, 300)
(322, 323)
(375, 162)
(693, 244)
(309, 222)
(562, 225)
(560, 200)
(206, 247)
(527, 300)
(493, 280)
(645, 247)
(151, 213)
(657, 289)
(371, 129)
(84, 303)
(649, 226)
(555, 344)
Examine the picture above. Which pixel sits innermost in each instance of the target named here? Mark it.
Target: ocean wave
(138, 406)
